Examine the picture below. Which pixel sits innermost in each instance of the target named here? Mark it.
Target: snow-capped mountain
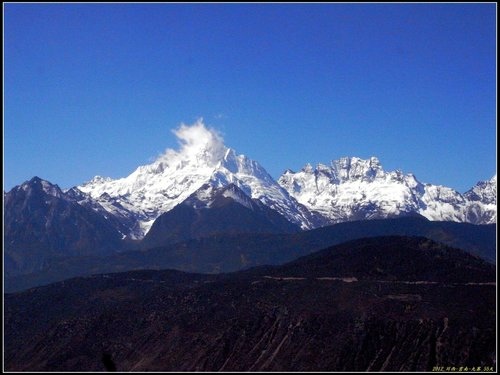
(174, 176)
(482, 202)
(484, 191)
(345, 190)
(355, 189)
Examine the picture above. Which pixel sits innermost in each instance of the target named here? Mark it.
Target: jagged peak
(485, 191)
(343, 163)
(201, 158)
(37, 184)
(308, 168)
(347, 162)
(202, 153)
(98, 180)
(491, 183)
(34, 180)
(199, 147)
(322, 167)
(347, 168)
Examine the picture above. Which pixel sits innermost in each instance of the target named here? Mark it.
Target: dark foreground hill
(387, 303)
(232, 252)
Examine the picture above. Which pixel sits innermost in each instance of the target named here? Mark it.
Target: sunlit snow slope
(357, 189)
(202, 158)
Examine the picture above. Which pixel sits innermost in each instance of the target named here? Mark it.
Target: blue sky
(95, 89)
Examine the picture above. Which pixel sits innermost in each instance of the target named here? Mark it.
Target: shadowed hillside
(232, 252)
(388, 303)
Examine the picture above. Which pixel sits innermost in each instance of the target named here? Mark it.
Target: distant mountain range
(380, 304)
(356, 189)
(206, 189)
(348, 189)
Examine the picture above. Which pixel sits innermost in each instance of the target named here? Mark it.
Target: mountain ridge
(351, 307)
(346, 189)
(229, 253)
(351, 188)
(41, 222)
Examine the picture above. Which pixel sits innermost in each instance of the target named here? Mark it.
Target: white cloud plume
(197, 142)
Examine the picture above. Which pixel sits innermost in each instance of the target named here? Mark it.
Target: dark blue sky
(96, 89)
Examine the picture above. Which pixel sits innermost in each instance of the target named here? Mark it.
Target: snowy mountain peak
(484, 191)
(202, 158)
(351, 188)
(99, 180)
(308, 168)
(481, 202)
(40, 185)
(348, 169)
(354, 189)
(356, 169)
